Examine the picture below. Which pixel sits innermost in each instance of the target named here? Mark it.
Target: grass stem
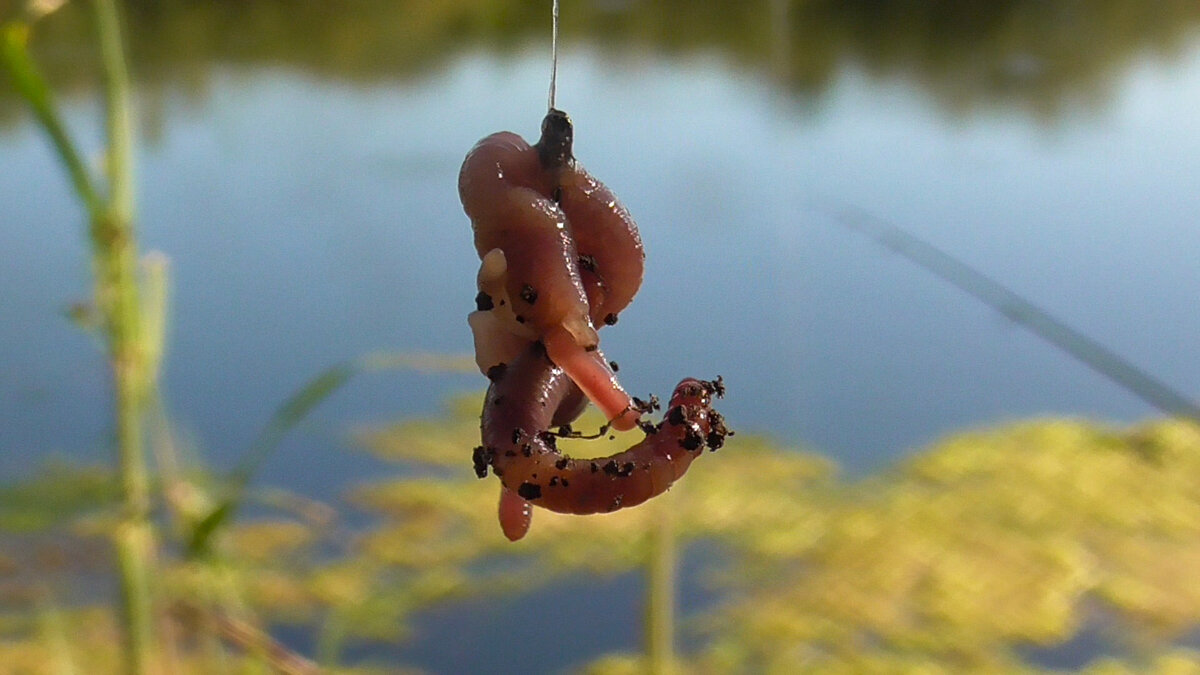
(115, 254)
(32, 86)
(115, 269)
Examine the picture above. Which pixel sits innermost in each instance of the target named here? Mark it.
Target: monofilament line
(553, 51)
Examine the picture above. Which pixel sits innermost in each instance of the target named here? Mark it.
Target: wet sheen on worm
(561, 257)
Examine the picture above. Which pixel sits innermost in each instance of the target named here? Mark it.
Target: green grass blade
(294, 411)
(29, 83)
(299, 405)
(288, 416)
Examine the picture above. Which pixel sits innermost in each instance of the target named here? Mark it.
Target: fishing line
(553, 51)
(1016, 308)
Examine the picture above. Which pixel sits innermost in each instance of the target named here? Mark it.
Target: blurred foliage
(979, 552)
(993, 551)
(1036, 55)
(60, 493)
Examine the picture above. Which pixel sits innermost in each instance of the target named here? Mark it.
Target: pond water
(312, 217)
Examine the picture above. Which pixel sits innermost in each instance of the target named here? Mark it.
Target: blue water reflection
(310, 220)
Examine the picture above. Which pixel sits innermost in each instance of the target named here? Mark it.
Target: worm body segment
(519, 447)
(560, 257)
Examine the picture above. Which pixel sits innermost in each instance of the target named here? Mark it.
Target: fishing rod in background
(1014, 307)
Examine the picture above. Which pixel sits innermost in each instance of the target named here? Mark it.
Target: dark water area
(298, 166)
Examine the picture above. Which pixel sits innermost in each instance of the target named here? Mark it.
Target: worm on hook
(525, 401)
(559, 257)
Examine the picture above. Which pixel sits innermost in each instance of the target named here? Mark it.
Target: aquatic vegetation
(977, 551)
(993, 550)
(985, 551)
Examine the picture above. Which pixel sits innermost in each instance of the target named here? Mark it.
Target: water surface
(310, 221)
(311, 216)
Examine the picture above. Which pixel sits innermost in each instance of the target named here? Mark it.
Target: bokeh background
(918, 482)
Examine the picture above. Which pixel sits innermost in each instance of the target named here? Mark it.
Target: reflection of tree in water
(1038, 55)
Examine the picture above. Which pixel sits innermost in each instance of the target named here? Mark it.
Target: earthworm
(524, 402)
(559, 256)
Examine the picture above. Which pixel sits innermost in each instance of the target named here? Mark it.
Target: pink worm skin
(503, 191)
(574, 258)
(524, 402)
(560, 257)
